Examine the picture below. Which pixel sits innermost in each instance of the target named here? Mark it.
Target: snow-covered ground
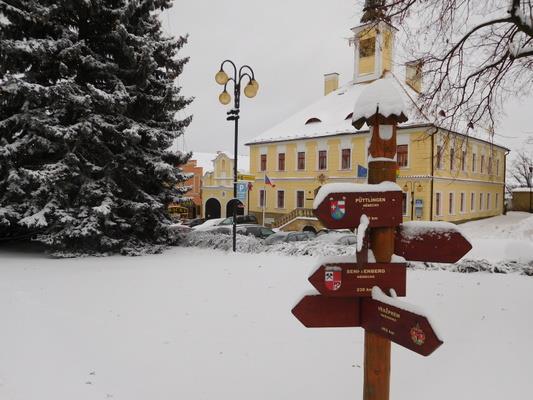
(203, 324)
(505, 237)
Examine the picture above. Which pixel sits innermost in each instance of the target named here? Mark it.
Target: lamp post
(222, 78)
(410, 186)
(530, 186)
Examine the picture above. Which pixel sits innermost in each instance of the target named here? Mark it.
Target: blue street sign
(242, 190)
(361, 171)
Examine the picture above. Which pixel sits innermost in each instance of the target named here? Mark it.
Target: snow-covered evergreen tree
(87, 110)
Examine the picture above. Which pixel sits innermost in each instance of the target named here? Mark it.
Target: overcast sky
(290, 44)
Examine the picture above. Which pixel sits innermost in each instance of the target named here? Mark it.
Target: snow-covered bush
(317, 248)
(250, 244)
(87, 110)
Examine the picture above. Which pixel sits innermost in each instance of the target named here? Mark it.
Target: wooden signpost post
(352, 293)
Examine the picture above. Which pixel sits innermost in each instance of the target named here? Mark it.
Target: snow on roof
(522, 189)
(335, 113)
(382, 96)
(343, 187)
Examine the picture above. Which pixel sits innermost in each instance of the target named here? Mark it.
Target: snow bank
(344, 187)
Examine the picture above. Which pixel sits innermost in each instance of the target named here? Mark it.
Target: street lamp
(250, 90)
(530, 186)
(410, 186)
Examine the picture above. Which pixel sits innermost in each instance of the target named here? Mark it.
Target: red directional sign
(352, 280)
(400, 326)
(328, 312)
(432, 242)
(344, 210)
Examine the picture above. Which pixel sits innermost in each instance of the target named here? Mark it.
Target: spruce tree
(87, 110)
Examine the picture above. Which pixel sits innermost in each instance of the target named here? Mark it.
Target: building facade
(217, 187)
(445, 176)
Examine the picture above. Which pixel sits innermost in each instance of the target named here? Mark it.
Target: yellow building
(446, 176)
(217, 186)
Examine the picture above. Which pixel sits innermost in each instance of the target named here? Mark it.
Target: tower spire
(373, 11)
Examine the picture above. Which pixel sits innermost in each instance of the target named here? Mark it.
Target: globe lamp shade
(251, 89)
(224, 97)
(221, 77)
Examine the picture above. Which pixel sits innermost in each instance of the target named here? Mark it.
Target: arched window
(312, 121)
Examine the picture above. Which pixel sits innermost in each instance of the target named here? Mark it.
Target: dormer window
(312, 121)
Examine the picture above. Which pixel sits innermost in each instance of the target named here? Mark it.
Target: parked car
(241, 219)
(325, 231)
(194, 222)
(208, 224)
(338, 237)
(179, 228)
(258, 231)
(288, 237)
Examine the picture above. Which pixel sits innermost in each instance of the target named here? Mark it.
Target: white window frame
(407, 210)
(438, 210)
(296, 199)
(261, 164)
(441, 157)
(318, 159)
(284, 161)
(453, 160)
(277, 199)
(305, 160)
(452, 211)
(340, 158)
(259, 199)
(408, 154)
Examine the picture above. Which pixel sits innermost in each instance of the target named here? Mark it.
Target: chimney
(331, 82)
(413, 74)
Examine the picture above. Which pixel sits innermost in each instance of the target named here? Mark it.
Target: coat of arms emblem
(417, 335)
(333, 278)
(338, 208)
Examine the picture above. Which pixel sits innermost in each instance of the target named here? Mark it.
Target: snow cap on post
(380, 102)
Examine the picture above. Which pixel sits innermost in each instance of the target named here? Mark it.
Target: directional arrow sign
(406, 328)
(328, 312)
(352, 280)
(430, 241)
(344, 210)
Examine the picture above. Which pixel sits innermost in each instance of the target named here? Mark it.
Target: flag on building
(269, 182)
